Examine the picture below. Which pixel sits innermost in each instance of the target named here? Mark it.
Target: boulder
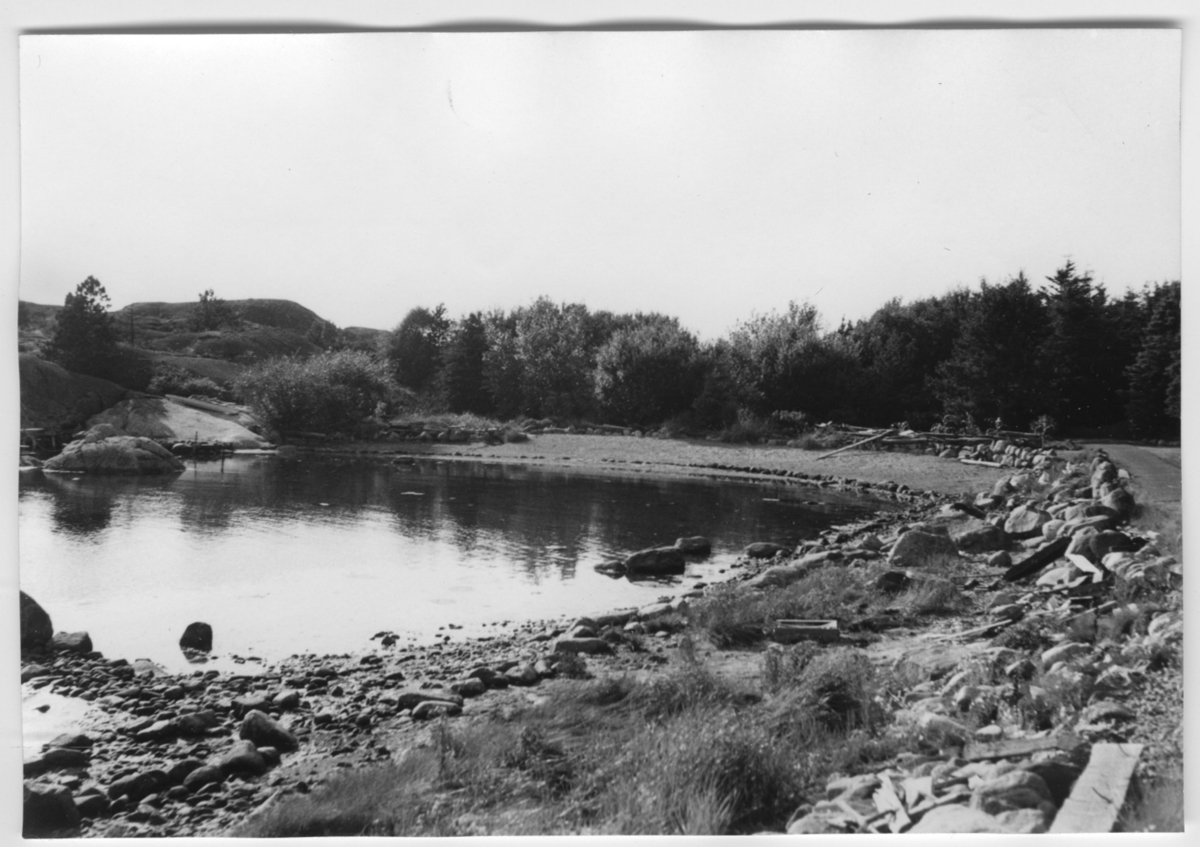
(202, 776)
(71, 642)
(49, 811)
(197, 636)
(1017, 789)
(979, 537)
(197, 723)
(582, 645)
(1103, 543)
(247, 703)
(766, 550)
(1025, 522)
(36, 628)
(916, 548)
(101, 452)
(893, 582)
(139, 785)
(694, 545)
(1120, 501)
(656, 560)
(266, 732)
(53, 759)
(242, 757)
(436, 709)
(410, 698)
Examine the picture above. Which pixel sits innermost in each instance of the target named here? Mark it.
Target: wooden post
(876, 437)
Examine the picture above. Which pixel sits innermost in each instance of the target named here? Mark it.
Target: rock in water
(73, 642)
(49, 812)
(766, 550)
(104, 451)
(197, 636)
(656, 560)
(36, 628)
(694, 545)
(916, 548)
(265, 732)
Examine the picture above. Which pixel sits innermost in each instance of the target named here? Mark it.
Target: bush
(172, 379)
(330, 392)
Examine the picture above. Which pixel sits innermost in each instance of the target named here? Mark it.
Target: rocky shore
(1013, 703)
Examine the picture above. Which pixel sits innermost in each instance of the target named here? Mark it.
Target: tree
(1082, 383)
(210, 313)
(84, 339)
(648, 372)
(413, 349)
(995, 369)
(1153, 395)
(461, 379)
(787, 364)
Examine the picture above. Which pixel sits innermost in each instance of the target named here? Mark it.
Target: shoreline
(356, 710)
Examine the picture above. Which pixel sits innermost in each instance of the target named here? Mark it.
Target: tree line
(1061, 352)
(1012, 352)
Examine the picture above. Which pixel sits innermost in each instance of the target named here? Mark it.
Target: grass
(687, 752)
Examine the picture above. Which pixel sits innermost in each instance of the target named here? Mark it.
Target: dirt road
(1156, 472)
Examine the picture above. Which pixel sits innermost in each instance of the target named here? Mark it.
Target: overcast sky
(707, 175)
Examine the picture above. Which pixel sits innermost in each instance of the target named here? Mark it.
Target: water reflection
(287, 555)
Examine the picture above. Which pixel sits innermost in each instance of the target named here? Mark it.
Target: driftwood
(1038, 560)
(1099, 794)
(876, 437)
(981, 752)
(981, 462)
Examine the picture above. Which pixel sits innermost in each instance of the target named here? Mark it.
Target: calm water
(286, 556)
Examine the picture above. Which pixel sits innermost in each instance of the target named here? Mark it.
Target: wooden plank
(1099, 794)
(789, 632)
(976, 751)
(887, 800)
(981, 462)
(883, 434)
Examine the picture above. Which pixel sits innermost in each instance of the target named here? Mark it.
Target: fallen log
(1038, 559)
(876, 437)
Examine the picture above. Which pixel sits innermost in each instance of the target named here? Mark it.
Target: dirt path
(1156, 473)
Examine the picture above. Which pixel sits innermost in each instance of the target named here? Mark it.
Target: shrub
(172, 379)
(330, 392)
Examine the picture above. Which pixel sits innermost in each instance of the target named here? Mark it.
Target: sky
(707, 175)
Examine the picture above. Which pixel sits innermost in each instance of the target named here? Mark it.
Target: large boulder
(197, 636)
(655, 561)
(36, 628)
(49, 812)
(265, 732)
(104, 451)
(916, 548)
(71, 642)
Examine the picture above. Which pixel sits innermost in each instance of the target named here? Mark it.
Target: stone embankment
(1006, 728)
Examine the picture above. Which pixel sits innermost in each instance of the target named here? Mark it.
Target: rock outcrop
(157, 418)
(56, 399)
(104, 450)
(36, 628)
